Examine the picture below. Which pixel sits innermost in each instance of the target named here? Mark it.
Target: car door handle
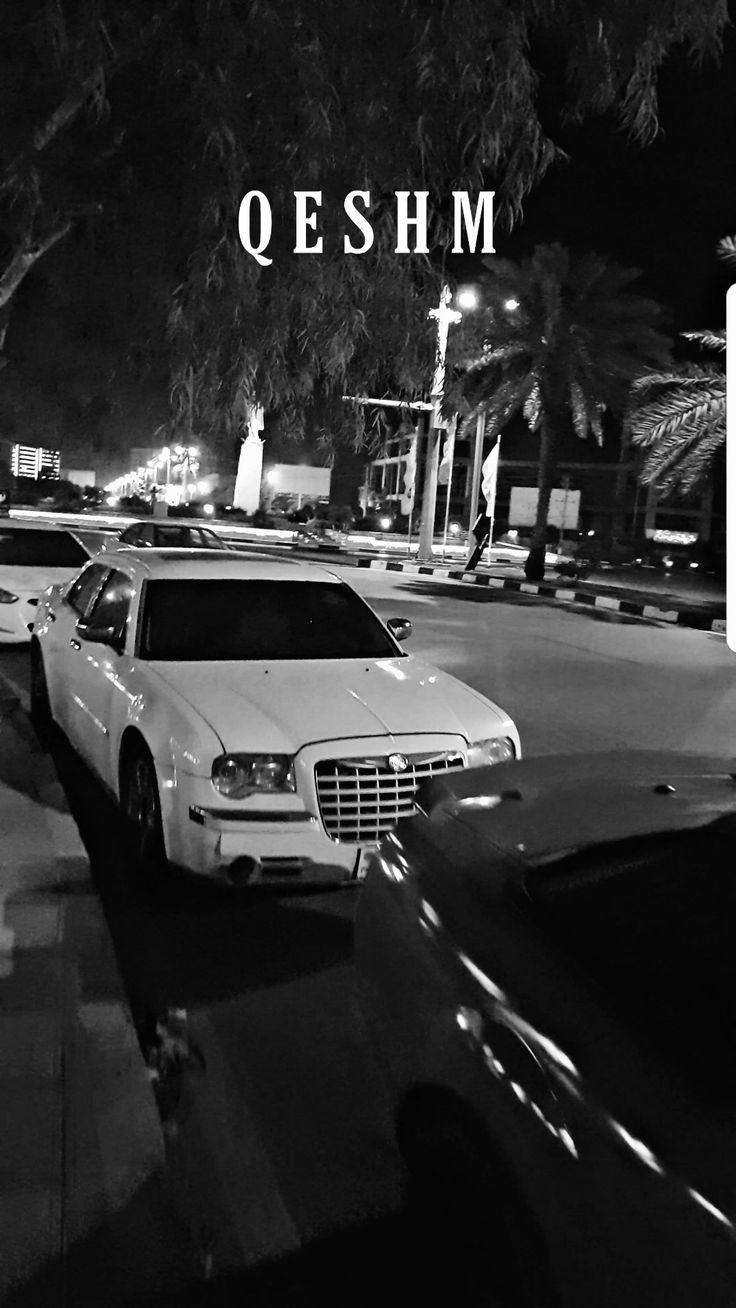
(75, 644)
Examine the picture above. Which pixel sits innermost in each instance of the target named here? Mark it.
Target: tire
(40, 705)
(466, 1217)
(141, 811)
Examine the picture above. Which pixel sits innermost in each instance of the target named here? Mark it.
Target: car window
(223, 619)
(113, 604)
(209, 540)
(175, 537)
(83, 592)
(129, 536)
(27, 548)
(146, 534)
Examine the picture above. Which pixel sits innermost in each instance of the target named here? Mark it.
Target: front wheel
(142, 813)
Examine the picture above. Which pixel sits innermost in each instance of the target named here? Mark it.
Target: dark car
(546, 958)
(169, 535)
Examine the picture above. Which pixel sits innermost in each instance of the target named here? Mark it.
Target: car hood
(279, 707)
(32, 581)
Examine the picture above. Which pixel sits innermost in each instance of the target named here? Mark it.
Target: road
(280, 1140)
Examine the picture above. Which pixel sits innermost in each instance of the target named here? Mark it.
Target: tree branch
(23, 260)
(65, 112)
(77, 96)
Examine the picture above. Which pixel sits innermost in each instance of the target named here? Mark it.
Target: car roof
(221, 565)
(535, 810)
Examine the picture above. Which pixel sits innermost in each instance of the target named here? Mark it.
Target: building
(34, 461)
(613, 503)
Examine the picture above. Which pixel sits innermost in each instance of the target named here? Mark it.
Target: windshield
(213, 619)
(27, 548)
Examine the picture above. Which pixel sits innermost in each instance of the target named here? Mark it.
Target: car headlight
(499, 749)
(7, 597)
(237, 775)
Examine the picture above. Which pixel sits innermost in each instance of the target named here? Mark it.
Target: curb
(110, 1136)
(679, 615)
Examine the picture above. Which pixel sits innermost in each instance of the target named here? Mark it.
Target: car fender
(180, 739)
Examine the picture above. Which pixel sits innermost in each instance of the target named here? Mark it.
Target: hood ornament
(398, 762)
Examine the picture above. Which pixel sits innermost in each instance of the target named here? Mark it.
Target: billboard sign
(564, 508)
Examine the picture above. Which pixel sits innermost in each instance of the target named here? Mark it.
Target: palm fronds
(682, 423)
(680, 416)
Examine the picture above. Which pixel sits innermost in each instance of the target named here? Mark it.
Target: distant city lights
(178, 467)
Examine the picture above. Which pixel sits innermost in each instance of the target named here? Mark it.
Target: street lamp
(467, 298)
(443, 316)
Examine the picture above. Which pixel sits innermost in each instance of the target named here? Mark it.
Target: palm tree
(560, 341)
(679, 417)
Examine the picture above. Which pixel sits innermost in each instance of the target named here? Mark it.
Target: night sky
(661, 208)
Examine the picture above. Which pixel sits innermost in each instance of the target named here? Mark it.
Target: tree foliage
(161, 116)
(559, 341)
(679, 417)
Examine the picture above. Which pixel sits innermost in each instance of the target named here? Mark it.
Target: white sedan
(255, 719)
(33, 556)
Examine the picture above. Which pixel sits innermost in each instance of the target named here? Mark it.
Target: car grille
(361, 798)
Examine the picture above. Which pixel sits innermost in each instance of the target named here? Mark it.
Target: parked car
(255, 718)
(167, 535)
(33, 556)
(545, 956)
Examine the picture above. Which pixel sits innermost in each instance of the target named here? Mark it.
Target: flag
(410, 473)
(448, 454)
(489, 477)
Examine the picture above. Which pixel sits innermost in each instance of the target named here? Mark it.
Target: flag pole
(449, 455)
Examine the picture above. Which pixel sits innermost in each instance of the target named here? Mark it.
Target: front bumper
(288, 847)
(275, 838)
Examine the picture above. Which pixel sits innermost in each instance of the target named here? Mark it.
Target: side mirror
(99, 635)
(400, 628)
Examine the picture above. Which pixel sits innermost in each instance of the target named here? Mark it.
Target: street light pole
(443, 316)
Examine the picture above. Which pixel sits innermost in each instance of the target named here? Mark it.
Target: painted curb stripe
(683, 617)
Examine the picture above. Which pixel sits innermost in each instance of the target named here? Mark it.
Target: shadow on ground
(476, 594)
(382, 1260)
(241, 940)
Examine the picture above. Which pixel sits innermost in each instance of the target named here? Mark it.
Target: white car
(33, 556)
(255, 719)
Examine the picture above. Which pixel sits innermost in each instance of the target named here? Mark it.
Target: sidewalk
(83, 1219)
(677, 599)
